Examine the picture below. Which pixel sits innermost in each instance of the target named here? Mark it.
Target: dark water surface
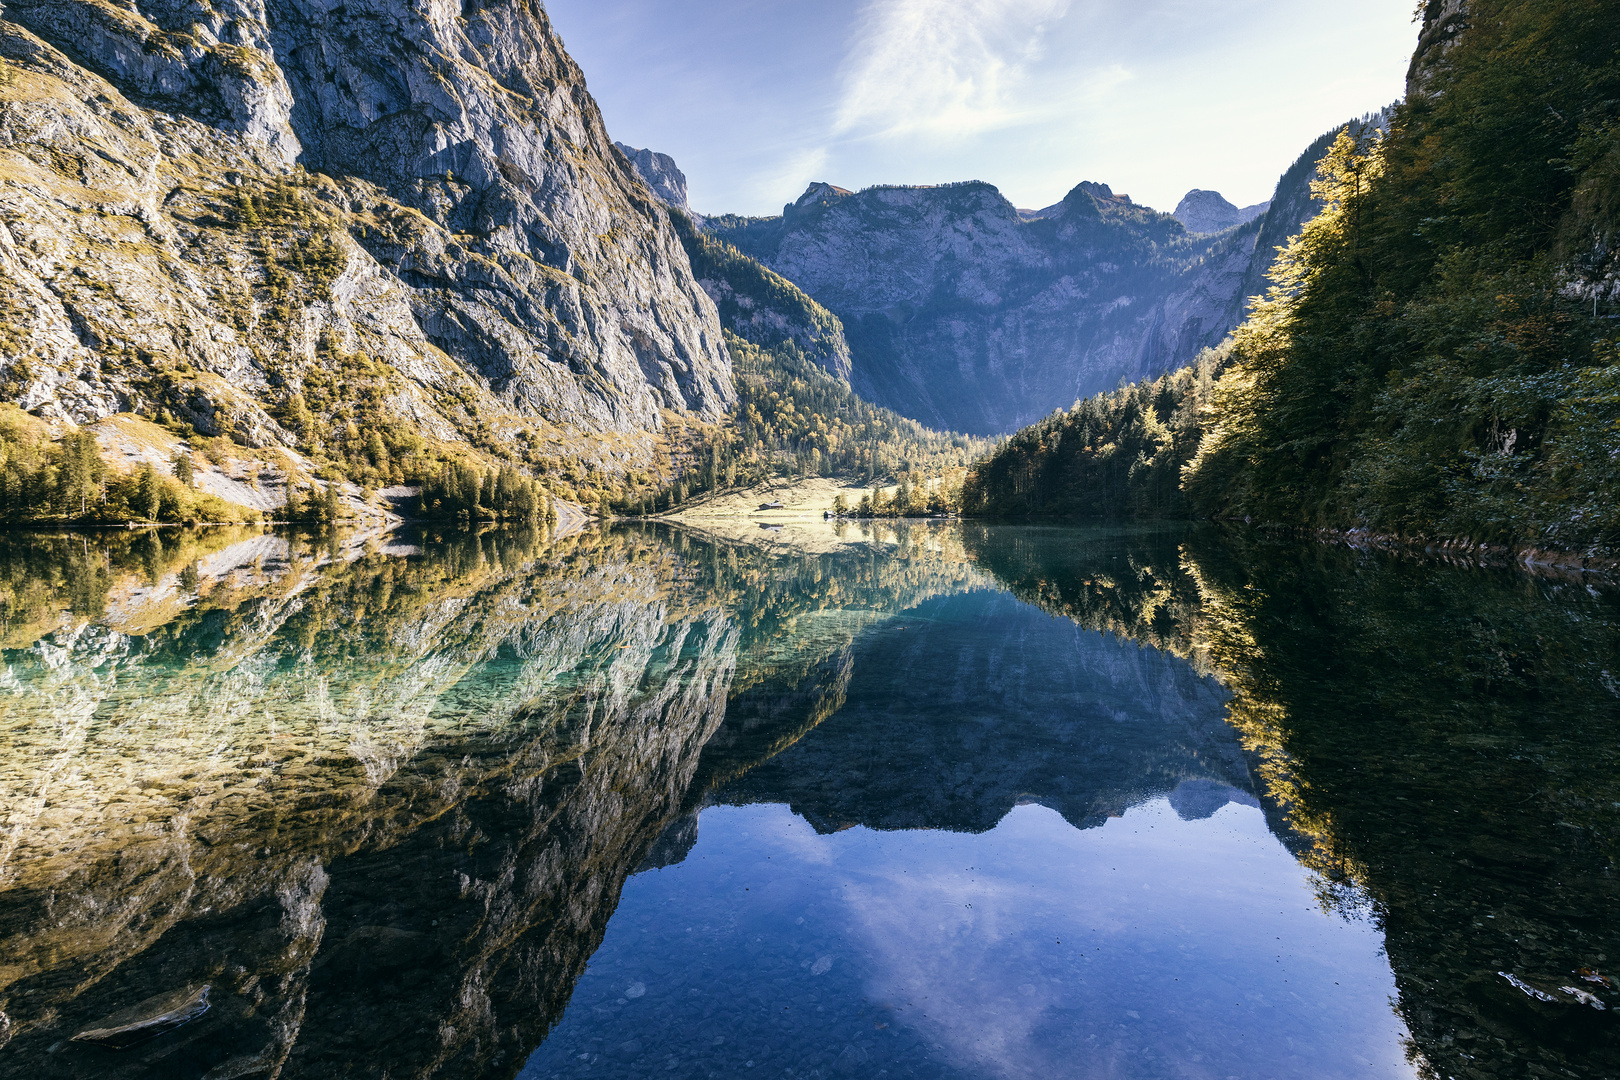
(936, 802)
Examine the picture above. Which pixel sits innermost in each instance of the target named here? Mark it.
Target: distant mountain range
(966, 313)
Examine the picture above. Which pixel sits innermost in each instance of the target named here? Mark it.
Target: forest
(44, 481)
(1438, 354)
(795, 419)
(1119, 454)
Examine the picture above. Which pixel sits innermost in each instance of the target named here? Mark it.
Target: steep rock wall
(966, 316)
(205, 207)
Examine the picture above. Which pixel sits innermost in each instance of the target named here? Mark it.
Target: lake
(938, 800)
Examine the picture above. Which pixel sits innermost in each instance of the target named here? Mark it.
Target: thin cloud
(789, 174)
(942, 67)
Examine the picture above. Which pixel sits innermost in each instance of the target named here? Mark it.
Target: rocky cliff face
(660, 173)
(205, 210)
(1443, 24)
(760, 305)
(966, 316)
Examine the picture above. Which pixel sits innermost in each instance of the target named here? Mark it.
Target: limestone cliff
(660, 173)
(408, 214)
(964, 315)
(1443, 24)
(968, 314)
(759, 305)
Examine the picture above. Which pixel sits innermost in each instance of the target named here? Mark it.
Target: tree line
(44, 481)
(460, 490)
(1113, 454)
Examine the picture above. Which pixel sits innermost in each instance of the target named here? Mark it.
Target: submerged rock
(147, 1019)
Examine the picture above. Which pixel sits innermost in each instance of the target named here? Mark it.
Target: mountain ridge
(1204, 211)
(967, 313)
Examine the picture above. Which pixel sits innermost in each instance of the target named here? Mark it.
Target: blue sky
(756, 98)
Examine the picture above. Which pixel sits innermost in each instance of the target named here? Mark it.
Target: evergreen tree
(148, 498)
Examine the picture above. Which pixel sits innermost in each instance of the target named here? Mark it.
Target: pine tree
(148, 493)
(80, 473)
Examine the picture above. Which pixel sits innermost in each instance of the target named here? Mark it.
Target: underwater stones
(851, 1060)
(147, 1019)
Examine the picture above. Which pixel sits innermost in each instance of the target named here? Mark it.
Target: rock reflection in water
(380, 797)
(383, 805)
(970, 704)
(1003, 853)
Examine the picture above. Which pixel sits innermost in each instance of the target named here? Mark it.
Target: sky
(755, 99)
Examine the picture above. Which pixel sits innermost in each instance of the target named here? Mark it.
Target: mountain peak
(820, 190)
(1101, 191)
(1209, 212)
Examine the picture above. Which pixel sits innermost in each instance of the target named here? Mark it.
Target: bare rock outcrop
(1209, 212)
(405, 213)
(660, 173)
(967, 315)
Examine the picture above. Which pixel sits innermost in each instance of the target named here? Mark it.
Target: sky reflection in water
(1152, 946)
(981, 933)
(951, 801)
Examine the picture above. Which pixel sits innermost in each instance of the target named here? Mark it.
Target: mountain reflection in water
(382, 797)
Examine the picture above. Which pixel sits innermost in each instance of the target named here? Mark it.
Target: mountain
(969, 314)
(1122, 452)
(409, 220)
(791, 367)
(964, 316)
(1438, 357)
(753, 302)
(1209, 212)
(660, 173)
(761, 306)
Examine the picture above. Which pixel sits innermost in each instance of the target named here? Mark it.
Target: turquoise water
(948, 801)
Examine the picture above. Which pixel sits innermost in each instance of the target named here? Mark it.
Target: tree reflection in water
(381, 795)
